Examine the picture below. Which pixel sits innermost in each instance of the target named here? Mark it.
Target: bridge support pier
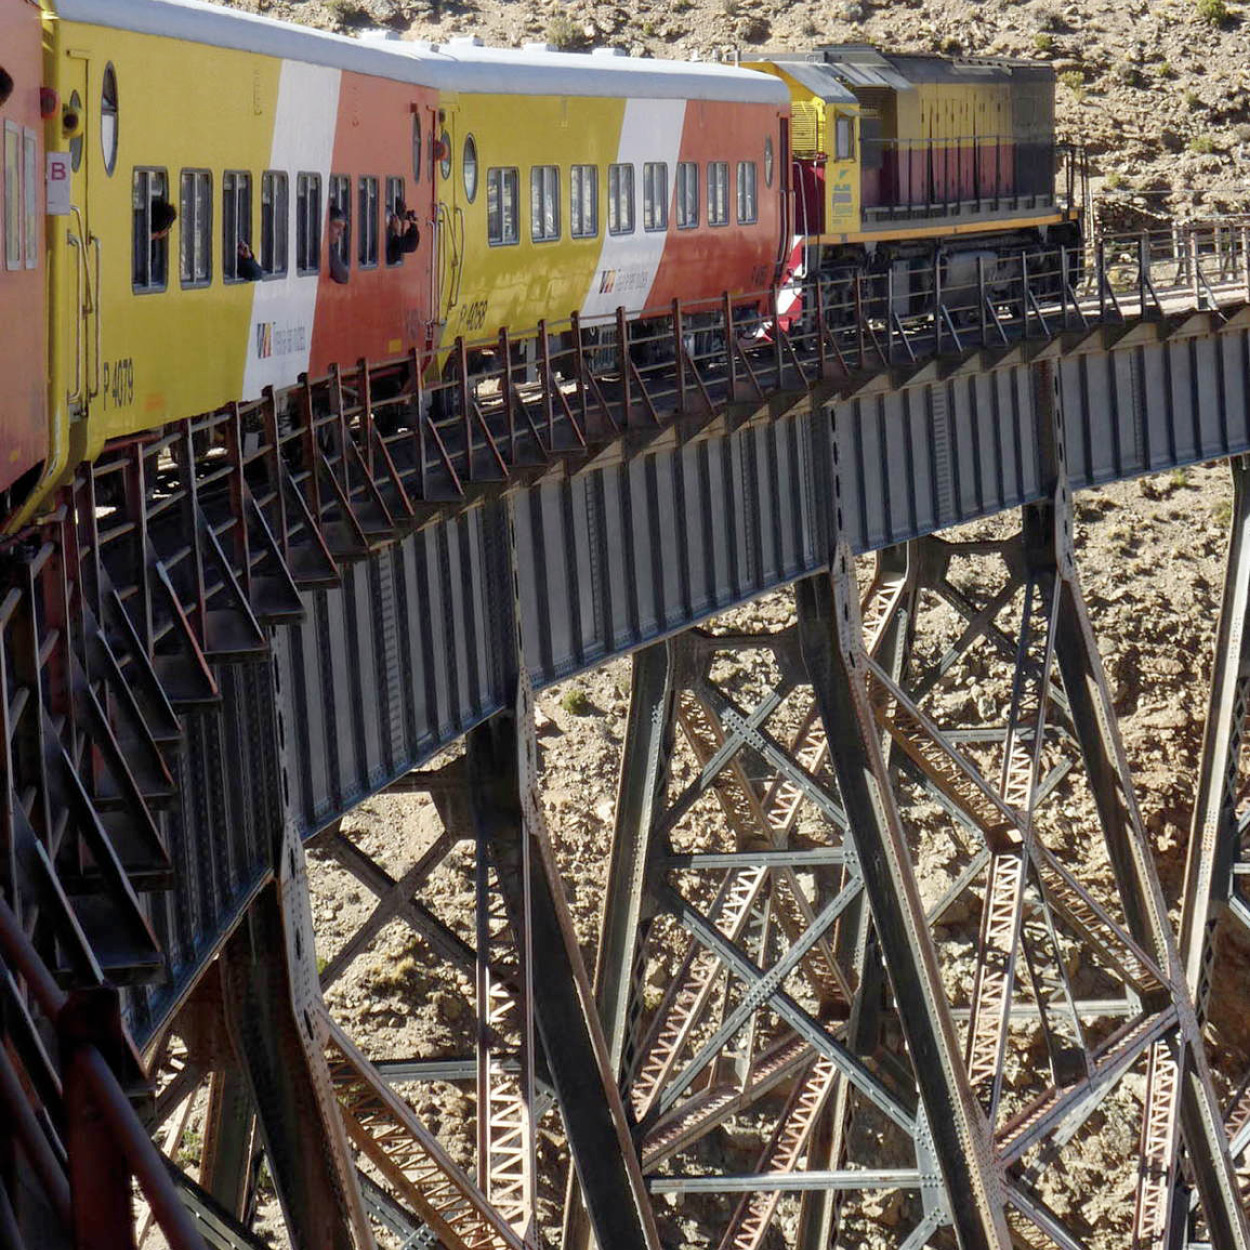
(929, 788)
(1215, 921)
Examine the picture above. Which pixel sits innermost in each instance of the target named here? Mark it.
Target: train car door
(448, 214)
(89, 121)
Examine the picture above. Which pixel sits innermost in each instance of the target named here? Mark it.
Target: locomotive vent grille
(805, 128)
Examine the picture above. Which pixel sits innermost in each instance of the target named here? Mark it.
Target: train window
(236, 220)
(469, 168)
(275, 222)
(109, 119)
(748, 200)
(844, 139)
(584, 201)
(655, 196)
(503, 211)
(12, 196)
(150, 258)
(718, 193)
(367, 235)
(196, 228)
(544, 203)
(687, 195)
(341, 200)
(75, 144)
(394, 204)
(768, 160)
(444, 159)
(307, 223)
(620, 199)
(416, 147)
(30, 191)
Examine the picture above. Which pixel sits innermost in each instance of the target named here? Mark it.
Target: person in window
(402, 234)
(161, 218)
(338, 227)
(246, 266)
(6, 85)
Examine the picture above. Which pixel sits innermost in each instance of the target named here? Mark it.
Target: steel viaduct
(228, 636)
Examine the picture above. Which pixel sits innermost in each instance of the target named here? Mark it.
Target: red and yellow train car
(334, 199)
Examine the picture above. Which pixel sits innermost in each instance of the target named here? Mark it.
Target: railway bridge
(876, 965)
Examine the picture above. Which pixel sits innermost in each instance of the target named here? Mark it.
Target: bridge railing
(245, 506)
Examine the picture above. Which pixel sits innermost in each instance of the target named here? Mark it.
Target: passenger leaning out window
(402, 233)
(338, 227)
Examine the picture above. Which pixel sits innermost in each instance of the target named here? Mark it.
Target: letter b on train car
(58, 184)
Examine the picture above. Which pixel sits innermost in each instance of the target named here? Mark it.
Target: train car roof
(458, 66)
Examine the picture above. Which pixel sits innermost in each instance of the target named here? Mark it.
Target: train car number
(474, 315)
(118, 388)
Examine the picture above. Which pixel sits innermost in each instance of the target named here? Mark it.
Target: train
(201, 202)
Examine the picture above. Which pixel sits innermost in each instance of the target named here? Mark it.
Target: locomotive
(340, 198)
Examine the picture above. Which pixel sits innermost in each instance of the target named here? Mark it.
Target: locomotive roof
(860, 65)
(460, 66)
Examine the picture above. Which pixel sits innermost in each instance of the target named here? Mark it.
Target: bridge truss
(879, 958)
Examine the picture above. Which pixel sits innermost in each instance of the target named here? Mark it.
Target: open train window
(718, 193)
(416, 147)
(275, 222)
(748, 199)
(584, 201)
(503, 210)
(768, 160)
(196, 230)
(307, 223)
(655, 196)
(620, 199)
(341, 202)
(544, 203)
(150, 249)
(367, 234)
(395, 205)
(236, 220)
(109, 119)
(687, 195)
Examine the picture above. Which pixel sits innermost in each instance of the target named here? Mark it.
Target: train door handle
(93, 241)
(75, 396)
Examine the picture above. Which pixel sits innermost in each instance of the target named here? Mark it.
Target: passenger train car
(340, 198)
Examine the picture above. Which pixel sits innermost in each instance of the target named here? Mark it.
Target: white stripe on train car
(283, 309)
(650, 131)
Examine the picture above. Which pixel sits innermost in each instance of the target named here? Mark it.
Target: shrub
(1115, 180)
(1074, 80)
(1044, 42)
(563, 32)
(1213, 12)
(345, 11)
(1202, 145)
(576, 702)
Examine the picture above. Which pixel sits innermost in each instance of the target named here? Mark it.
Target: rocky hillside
(1157, 90)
